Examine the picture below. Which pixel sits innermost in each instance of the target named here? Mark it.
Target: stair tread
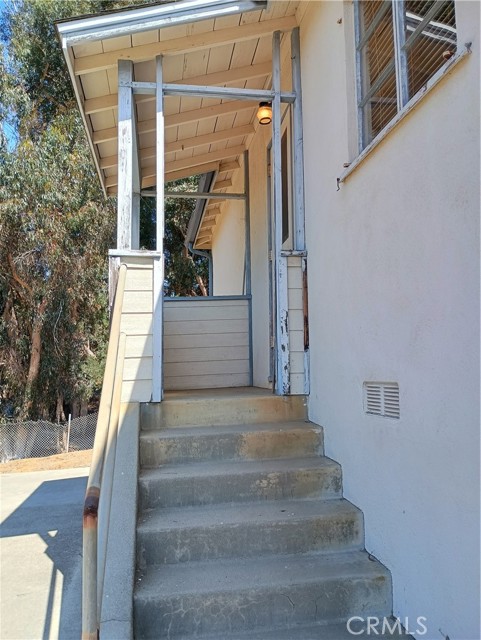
(236, 467)
(214, 576)
(184, 432)
(336, 631)
(228, 514)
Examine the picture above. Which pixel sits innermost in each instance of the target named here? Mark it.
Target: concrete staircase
(243, 532)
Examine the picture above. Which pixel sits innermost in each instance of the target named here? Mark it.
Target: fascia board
(122, 23)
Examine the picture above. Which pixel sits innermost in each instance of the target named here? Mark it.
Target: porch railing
(96, 512)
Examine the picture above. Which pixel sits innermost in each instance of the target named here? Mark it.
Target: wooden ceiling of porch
(201, 134)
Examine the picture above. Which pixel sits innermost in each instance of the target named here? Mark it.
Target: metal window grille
(400, 44)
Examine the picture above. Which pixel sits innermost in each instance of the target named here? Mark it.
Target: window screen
(400, 46)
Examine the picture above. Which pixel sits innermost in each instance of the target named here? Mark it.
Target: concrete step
(278, 440)
(231, 596)
(335, 631)
(249, 529)
(204, 483)
(225, 407)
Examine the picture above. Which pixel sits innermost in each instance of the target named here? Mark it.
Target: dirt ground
(61, 461)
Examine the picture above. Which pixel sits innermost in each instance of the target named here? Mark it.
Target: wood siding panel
(196, 340)
(206, 343)
(296, 324)
(135, 301)
(211, 313)
(205, 326)
(200, 354)
(137, 391)
(136, 324)
(208, 381)
(138, 369)
(138, 346)
(139, 280)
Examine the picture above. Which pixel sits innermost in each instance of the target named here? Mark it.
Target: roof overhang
(217, 66)
(121, 23)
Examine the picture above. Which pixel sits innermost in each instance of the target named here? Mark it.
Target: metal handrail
(102, 472)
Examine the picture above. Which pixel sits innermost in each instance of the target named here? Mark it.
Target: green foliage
(55, 230)
(56, 226)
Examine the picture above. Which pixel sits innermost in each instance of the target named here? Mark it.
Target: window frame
(400, 60)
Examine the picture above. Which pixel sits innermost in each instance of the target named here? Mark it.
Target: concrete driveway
(41, 554)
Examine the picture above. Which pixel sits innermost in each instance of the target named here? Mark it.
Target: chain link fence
(42, 438)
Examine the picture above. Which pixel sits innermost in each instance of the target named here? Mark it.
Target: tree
(56, 226)
(185, 274)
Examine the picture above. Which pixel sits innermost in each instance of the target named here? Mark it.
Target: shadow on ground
(41, 554)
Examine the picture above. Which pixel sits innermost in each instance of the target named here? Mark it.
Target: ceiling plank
(195, 161)
(104, 103)
(176, 119)
(186, 44)
(187, 143)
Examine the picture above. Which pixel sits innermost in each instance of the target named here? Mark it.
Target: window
(400, 44)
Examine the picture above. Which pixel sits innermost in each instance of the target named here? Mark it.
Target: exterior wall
(394, 296)
(228, 248)
(206, 343)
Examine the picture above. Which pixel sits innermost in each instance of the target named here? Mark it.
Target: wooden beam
(104, 103)
(185, 44)
(232, 165)
(186, 143)
(170, 176)
(195, 161)
(223, 184)
(176, 119)
(185, 117)
(282, 307)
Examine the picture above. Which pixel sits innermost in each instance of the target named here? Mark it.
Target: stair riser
(321, 482)
(222, 411)
(336, 533)
(263, 607)
(248, 445)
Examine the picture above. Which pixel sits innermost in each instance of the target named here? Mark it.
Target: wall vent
(381, 399)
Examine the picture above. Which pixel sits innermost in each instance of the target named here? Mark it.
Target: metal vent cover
(381, 399)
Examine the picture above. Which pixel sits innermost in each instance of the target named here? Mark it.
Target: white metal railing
(99, 487)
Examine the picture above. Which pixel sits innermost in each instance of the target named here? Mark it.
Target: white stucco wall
(228, 245)
(394, 296)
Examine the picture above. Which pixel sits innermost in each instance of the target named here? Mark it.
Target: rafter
(104, 103)
(186, 44)
(223, 184)
(176, 119)
(195, 161)
(186, 143)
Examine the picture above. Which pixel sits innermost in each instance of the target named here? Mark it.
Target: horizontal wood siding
(296, 324)
(206, 343)
(136, 322)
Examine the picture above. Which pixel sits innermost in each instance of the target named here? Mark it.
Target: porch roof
(205, 47)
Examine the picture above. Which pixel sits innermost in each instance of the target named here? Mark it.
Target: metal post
(282, 320)
(68, 430)
(158, 284)
(125, 155)
(248, 261)
(298, 142)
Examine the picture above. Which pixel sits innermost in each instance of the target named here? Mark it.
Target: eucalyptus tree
(55, 224)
